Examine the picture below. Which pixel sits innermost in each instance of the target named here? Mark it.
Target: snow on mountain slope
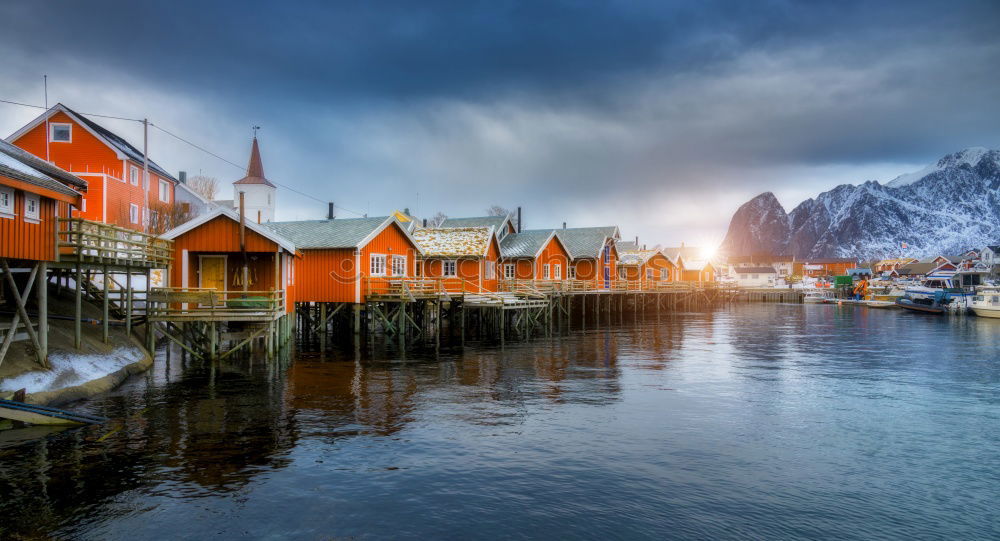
(947, 207)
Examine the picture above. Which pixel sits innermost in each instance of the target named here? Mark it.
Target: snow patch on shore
(69, 369)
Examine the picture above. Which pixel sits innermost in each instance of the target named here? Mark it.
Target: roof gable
(269, 234)
(123, 148)
(19, 164)
(587, 242)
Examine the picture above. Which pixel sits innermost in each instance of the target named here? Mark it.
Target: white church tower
(258, 192)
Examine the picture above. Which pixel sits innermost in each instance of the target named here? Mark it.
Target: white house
(990, 255)
(754, 276)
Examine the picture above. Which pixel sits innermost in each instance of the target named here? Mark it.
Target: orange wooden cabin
(113, 168)
(536, 254)
(648, 267)
(464, 259)
(208, 255)
(346, 260)
(33, 193)
(593, 254)
(697, 271)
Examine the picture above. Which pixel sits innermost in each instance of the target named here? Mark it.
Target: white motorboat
(986, 303)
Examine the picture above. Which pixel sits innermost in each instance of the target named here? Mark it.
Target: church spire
(255, 168)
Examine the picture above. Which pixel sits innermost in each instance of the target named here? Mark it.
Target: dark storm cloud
(644, 105)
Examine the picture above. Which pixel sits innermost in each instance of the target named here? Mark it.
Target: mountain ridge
(947, 207)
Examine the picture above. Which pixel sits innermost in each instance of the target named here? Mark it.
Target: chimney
(518, 219)
(643, 246)
(329, 210)
(406, 211)
(682, 244)
(182, 176)
(564, 225)
(425, 222)
(637, 240)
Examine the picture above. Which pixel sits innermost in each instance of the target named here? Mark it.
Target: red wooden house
(463, 258)
(117, 192)
(346, 260)
(536, 254)
(208, 254)
(593, 255)
(33, 193)
(647, 267)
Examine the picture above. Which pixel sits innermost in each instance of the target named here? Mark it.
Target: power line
(179, 138)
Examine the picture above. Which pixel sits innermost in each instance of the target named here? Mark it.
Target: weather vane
(255, 128)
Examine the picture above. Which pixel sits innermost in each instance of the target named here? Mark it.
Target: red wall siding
(23, 240)
(330, 275)
(553, 253)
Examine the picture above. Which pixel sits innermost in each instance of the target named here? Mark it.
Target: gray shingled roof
(478, 221)
(686, 252)
(26, 167)
(626, 245)
(339, 233)
(586, 241)
(524, 244)
(121, 144)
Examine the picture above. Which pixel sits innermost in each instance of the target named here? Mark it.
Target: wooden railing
(94, 242)
(403, 288)
(204, 304)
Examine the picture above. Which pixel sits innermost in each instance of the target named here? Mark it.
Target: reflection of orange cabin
(464, 259)
(648, 266)
(113, 168)
(593, 254)
(207, 254)
(30, 192)
(536, 254)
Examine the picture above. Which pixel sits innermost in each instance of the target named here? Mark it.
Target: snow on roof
(635, 257)
(454, 241)
(20, 165)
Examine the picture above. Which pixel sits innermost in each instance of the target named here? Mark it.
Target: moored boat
(986, 303)
(920, 305)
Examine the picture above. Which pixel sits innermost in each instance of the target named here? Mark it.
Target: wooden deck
(95, 243)
(178, 304)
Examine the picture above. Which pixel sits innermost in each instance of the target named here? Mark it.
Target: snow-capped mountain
(947, 207)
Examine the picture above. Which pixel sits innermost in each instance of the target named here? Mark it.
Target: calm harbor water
(762, 421)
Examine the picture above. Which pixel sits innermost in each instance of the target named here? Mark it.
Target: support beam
(42, 299)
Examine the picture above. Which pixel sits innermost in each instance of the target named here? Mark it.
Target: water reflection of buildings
(351, 397)
(210, 430)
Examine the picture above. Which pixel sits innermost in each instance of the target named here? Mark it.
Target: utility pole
(45, 84)
(145, 170)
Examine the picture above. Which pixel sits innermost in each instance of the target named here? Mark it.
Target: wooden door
(213, 272)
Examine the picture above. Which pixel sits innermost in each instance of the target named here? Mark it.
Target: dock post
(502, 324)
(105, 305)
(357, 318)
(77, 309)
(42, 296)
(322, 327)
(437, 326)
(128, 300)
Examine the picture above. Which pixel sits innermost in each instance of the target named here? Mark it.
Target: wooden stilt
(42, 298)
(128, 301)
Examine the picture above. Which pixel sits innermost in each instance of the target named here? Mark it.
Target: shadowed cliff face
(948, 207)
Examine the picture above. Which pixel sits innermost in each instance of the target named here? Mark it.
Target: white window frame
(556, 271)
(545, 272)
(376, 264)
(52, 131)
(133, 175)
(509, 271)
(454, 268)
(491, 270)
(400, 259)
(571, 272)
(6, 208)
(133, 213)
(664, 274)
(164, 191)
(650, 274)
(32, 214)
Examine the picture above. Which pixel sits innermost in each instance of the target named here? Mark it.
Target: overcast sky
(659, 117)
